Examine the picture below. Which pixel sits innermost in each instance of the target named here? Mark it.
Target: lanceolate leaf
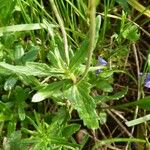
(84, 104)
(56, 59)
(81, 54)
(48, 91)
(116, 96)
(143, 103)
(33, 68)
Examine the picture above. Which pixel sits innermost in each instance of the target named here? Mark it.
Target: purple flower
(147, 80)
(101, 62)
(146, 77)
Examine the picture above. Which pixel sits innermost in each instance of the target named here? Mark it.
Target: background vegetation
(74, 74)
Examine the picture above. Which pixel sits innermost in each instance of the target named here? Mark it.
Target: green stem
(92, 7)
(109, 141)
(60, 21)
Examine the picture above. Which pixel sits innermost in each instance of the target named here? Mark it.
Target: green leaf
(10, 83)
(56, 59)
(131, 33)
(116, 96)
(70, 129)
(4, 71)
(106, 73)
(30, 80)
(48, 91)
(14, 140)
(104, 85)
(60, 119)
(83, 103)
(22, 27)
(124, 4)
(33, 68)
(120, 94)
(81, 54)
(20, 96)
(19, 52)
(31, 55)
(6, 10)
(102, 117)
(143, 103)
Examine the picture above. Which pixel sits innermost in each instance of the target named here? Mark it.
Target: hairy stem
(92, 9)
(61, 23)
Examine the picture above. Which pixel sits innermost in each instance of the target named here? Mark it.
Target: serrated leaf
(84, 104)
(33, 68)
(47, 91)
(81, 54)
(131, 33)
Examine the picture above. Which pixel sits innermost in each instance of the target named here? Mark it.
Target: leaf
(4, 71)
(104, 85)
(83, 103)
(31, 55)
(81, 54)
(19, 52)
(56, 59)
(131, 33)
(10, 83)
(22, 27)
(20, 96)
(47, 91)
(124, 4)
(120, 94)
(14, 140)
(138, 121)
(33, 68)
(61, 118)
(106, 73)
(6, 10)
(64, 142)
(102, 118)
(144, 103)
(116, 96)
(70, 130)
